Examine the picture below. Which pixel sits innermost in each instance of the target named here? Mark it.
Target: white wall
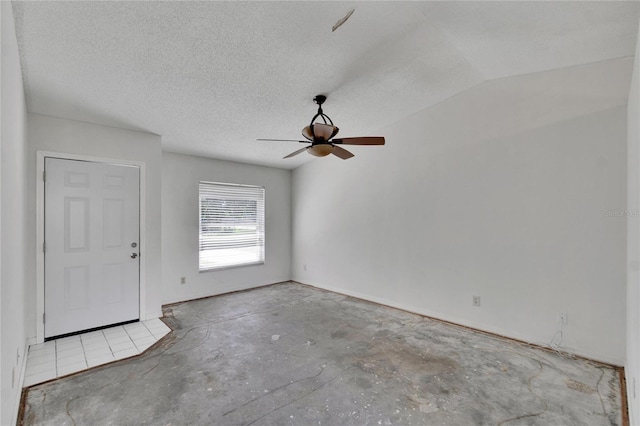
(2, 372)
(73, 137)
(14, 265)
(632, 366)
(496, 192)
(180, 177)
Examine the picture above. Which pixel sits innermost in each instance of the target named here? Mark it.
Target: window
(231, 225)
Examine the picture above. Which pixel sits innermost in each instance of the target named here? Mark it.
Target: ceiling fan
(321, 136)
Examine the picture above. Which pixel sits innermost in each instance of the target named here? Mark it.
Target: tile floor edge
(95, 367)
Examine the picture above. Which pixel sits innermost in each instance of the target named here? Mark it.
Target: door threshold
(89, 330)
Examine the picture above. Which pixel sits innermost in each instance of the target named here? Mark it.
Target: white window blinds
(231, 225)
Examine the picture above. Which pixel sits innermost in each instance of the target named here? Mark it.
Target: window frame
(260, 224)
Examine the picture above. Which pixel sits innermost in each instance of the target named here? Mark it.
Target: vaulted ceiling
(211, 77)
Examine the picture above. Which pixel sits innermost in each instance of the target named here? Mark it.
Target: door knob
(134, 255)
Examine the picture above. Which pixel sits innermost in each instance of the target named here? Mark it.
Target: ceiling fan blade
(365, 140)
(296, 152)
(341, 152)
(282, 140)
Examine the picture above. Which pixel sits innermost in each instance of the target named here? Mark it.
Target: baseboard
(206, 296)
(19, 389)
(439, 316)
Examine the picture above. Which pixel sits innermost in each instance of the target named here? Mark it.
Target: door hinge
(44, 247)
(44, 318)
(44, 176)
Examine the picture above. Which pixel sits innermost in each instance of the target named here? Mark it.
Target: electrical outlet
(476, 300)
(183, 280)
(304, 267)
(564, 319)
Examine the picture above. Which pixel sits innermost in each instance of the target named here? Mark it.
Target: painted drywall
(632, 366)
(73, 137)
(507, 191)
(180, 177)
(2, 373)
(13, 261)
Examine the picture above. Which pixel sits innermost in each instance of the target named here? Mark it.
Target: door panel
(91, 224)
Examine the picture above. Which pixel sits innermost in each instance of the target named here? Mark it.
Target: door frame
(40, 163)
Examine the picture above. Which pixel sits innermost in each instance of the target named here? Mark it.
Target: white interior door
(91, 260)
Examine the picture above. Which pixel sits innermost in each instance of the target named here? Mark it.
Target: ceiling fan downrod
(319, 99)
(327, 131)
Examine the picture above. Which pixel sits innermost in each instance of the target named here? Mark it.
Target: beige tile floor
(57, 358)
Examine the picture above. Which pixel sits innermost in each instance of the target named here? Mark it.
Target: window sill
(240, 265)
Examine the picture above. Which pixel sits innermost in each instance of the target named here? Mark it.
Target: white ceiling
(211, 77)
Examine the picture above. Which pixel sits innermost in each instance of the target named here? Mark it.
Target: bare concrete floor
(290, 354)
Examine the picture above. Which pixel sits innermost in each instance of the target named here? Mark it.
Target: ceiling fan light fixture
(321, 150)
(321, 131)
(307, 133)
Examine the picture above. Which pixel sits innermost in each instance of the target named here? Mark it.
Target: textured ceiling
(211, 77)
